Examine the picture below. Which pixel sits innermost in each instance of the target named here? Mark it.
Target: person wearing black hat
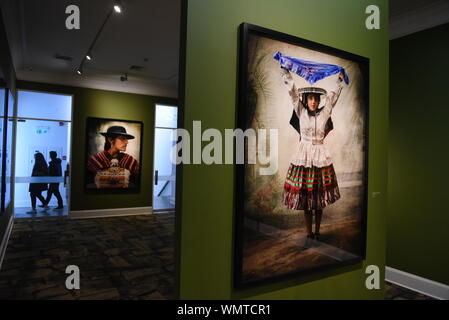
(311, 183)
(116, 142)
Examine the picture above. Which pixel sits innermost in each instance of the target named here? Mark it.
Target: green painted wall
(9, 79)
(114, 105)
(210, 96)
(418, 213)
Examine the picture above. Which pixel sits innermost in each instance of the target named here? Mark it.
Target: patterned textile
(102, 161)
(310, 188)
(309, 70)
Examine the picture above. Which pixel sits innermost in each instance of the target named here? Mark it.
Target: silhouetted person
(40, 169)
(54, 170)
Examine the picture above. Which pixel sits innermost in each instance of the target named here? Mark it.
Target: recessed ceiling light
(79, 71)
(118, 8)
(89, 56)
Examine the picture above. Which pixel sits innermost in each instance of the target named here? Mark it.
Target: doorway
(42, 157)
(164, 173)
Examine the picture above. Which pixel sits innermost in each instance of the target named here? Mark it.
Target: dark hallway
(119, 258)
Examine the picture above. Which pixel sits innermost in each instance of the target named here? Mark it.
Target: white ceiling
(146, 34)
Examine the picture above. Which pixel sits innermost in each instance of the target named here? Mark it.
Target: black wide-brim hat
(115, 131)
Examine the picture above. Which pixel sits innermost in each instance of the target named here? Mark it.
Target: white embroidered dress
(311, 151)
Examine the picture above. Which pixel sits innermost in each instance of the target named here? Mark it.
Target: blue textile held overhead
(309, 70)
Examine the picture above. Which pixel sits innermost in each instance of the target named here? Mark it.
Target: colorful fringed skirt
(310, 188)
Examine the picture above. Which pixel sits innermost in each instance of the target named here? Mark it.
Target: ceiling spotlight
(118, 7)
(88, 56)
(79, 71)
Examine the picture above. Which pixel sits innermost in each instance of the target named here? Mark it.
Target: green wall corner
(418, 219)
(206, 256)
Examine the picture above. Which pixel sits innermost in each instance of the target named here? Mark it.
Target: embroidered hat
(115, 131)
(312, 90)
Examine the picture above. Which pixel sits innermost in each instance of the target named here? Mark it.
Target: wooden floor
(270, 251)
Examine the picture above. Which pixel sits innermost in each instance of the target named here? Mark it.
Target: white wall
(166, 117)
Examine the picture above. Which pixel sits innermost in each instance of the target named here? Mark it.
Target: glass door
(2, 133)
(164, 173)
(7, 126)
(42, 157)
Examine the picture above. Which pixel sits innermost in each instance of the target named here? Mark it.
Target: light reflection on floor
(163, 203)
(22, 213)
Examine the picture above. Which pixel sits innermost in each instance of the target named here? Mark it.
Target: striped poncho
(102, 161)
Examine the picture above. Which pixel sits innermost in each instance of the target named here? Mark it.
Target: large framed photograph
(301, 194)
(114, 154)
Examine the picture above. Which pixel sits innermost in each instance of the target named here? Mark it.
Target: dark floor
(395, 292)
(119, 258)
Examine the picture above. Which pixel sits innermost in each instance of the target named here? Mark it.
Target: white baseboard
(416, 283)
(104, 213)
(4, 243)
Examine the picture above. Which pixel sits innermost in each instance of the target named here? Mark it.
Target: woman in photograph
(40, 169)
(106, 165)
(311, 183)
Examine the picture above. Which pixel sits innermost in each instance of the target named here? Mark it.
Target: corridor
(119, 258)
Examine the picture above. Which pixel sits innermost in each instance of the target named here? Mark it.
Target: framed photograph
(114, 154)
(301, 194)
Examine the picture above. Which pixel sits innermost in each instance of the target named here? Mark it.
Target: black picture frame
(245, 31)
(87, 175)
